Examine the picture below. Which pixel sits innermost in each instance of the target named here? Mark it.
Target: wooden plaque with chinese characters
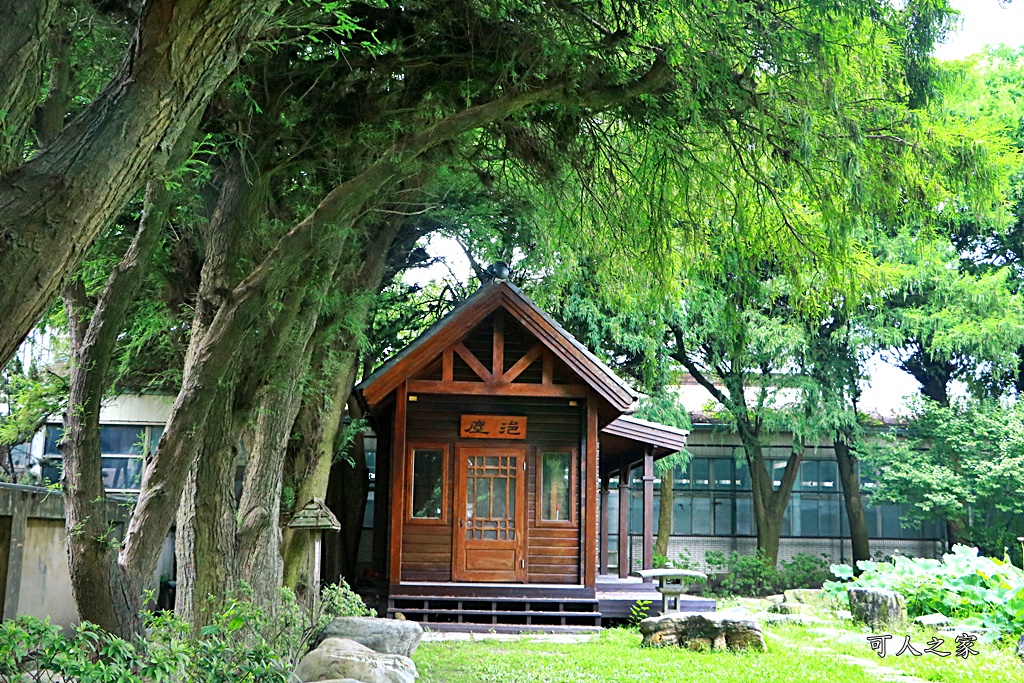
(493, 427)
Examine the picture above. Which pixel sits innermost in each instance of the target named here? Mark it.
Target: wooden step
(505, 628)
(509, 613)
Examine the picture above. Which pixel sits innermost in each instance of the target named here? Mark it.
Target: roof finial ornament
(497, 272)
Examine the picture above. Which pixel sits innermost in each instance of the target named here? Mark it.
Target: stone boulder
(878, 608)
(340, 659)
(388, 636)
(703, 631)
(933, 620)
(815, 597)
(790, 608)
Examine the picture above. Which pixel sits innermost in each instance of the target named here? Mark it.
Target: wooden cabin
(494, 420)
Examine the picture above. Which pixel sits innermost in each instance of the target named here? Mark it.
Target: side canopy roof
(498, 342)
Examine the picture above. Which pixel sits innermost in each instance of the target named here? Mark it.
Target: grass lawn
(794, 654)
(994, 663)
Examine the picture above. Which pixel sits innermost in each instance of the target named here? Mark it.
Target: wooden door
(490, 514)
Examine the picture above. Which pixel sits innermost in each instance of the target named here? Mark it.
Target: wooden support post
(15, 558)
(648, 560)
(623, 520)
(498, 345)
(603, 545)
(398, 475)
(590, 496)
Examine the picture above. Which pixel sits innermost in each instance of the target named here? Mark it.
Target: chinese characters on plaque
(965, 643)
(493, 427)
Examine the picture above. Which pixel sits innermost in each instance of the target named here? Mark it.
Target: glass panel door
(491, 497)
(490, 510)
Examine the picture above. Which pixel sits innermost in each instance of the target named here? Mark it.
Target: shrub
(241, 644)
(804, 571)
(341, 601)
(639, 611)
(35, 650)
(685, 561)
(975, 590)
(748, 574)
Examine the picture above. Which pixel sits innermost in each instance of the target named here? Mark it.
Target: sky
(982, 22)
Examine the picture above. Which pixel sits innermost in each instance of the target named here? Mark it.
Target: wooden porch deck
(512, 608)
(616, 598)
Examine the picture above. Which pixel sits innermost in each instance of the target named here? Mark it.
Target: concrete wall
(34, 576)
(45, 589)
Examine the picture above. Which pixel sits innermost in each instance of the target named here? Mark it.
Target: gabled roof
(624, 440)
(656, 434)
(471, 312)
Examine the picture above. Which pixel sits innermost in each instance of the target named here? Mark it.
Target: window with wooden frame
(556, 486)
(427, 483)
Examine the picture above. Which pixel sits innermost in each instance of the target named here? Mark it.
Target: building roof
(467, 315)
(624, 440)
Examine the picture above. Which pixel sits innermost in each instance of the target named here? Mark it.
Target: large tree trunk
(206, 519)
(851, 498)
(318, 425)
(24, 33)
(335, 368)
(667, 499)
(57, 202)
(205, 535)
(259, 534)
(769, 503)
(106, 593)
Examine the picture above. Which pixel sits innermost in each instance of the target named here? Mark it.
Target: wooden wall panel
(426, 553)
(553, 553)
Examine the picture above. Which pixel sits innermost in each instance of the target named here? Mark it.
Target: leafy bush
(753, 575)
(341, 601)
(975, 590)
(639, 611)
(748, 574)
(241, 644)
(685, 562)
(35, 650)
(804, 571)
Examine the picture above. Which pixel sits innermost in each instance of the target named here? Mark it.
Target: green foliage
(751, 575)
(804, 571)
(34, 650)
(28, 396)
(639, 611)
(963, 463)
(339, 600)
(972, 588)
(242, 644)
(685, 561)
(941, 320)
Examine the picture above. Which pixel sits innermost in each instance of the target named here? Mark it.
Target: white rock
(388, 636)
(339, 658)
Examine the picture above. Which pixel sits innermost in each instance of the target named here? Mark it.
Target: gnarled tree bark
(24, 34)
(53, 206)
(107, 593)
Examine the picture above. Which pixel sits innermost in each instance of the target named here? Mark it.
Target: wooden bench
(672, 583)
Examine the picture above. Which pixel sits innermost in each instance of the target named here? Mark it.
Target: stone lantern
(315, 518)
